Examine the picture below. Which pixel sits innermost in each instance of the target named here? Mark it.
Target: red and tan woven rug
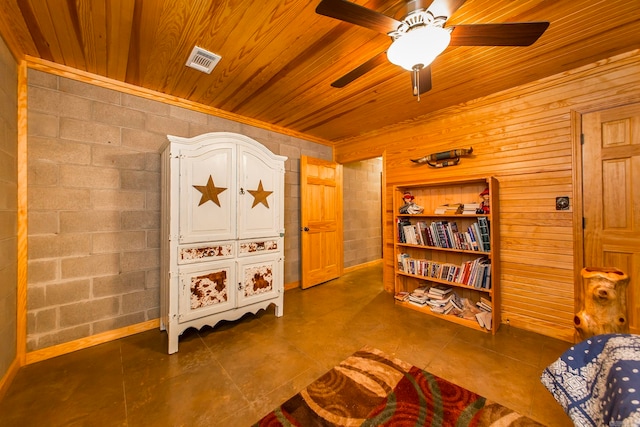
(372, 389)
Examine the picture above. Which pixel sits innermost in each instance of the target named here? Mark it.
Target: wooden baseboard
(60, 349)
(363, 265)
(7, 379)
(292, 285)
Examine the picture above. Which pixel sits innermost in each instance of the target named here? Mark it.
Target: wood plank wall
(525, 137)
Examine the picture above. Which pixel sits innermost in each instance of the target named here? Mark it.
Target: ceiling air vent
(202, 60)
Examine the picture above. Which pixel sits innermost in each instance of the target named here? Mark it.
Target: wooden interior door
(611, 177)
(320, 221)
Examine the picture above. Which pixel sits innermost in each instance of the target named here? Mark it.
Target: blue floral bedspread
(597, 381)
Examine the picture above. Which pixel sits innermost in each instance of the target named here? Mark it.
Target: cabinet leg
(173, 343)
(279, 310)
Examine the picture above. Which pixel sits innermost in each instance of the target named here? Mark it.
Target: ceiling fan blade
(445, 7)
(505, 34)
(358, 15)
(361, 70)
(424, 76)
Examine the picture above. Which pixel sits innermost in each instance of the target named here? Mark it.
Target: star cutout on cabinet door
(209, 192)
(260, 196)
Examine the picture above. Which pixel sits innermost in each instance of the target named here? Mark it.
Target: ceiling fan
(421, 35)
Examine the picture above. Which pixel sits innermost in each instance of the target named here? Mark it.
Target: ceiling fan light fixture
(418, 46)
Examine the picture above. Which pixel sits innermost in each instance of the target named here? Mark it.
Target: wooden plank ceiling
(279, 57)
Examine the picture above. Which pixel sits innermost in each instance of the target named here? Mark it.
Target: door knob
(306, 229)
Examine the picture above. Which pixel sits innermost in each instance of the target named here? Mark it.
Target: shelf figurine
(484, 205)
(409, 206)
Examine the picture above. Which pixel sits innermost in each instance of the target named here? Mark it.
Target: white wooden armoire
(222, 231)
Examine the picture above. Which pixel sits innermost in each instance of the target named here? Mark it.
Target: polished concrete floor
(233, 374)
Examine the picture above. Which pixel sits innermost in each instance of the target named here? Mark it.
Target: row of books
(475, 273)
(443, 300)
(445, 234)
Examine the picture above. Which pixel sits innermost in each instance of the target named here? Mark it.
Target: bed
(597, 381)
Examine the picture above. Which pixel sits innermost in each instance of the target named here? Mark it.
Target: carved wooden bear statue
(604, 302)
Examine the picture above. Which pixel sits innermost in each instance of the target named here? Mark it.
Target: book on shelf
(440, 290)
(423, 233)
(483, 306)
(472, 238)
(401, 223)
(479, 273)
(420, 290)
(451, 305)
(433, 227)
(440, 210)
(402, 261)
(418, 299)
(441, 299)
(456, 301)
(453, 273)
(449, 209)
(438, 301)
(475, 230)
(470, 208)
(483, 225)
(488, 318)
(484, 319)
(402, 296)
(418, 296)
(452, 230)
(410, 234)
(485, 301)
(453, 209)
(441, 227)
(419, 238)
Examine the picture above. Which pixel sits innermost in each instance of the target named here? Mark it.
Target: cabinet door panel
(261, 203)
(207, 193)
(206, 289)
(259, 278)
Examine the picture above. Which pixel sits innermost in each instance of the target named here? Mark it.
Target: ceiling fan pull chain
(416, 80)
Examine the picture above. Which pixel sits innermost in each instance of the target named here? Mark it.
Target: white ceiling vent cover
(202, 60)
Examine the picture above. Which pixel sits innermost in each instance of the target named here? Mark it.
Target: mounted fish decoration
(444, 158)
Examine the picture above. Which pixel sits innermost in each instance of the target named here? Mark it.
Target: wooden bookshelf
(422, 259)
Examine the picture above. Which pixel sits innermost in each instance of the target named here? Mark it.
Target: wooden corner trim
(7, 379)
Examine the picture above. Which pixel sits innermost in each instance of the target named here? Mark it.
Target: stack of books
(439, 291)
(439, 297)
(470, 208)
(402, 296)
(449, 209)
(419, 296)
(450, 303)
(484, 304)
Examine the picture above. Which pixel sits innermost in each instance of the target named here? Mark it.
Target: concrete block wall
(8, 206)
(94, 203)
(362, 211)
